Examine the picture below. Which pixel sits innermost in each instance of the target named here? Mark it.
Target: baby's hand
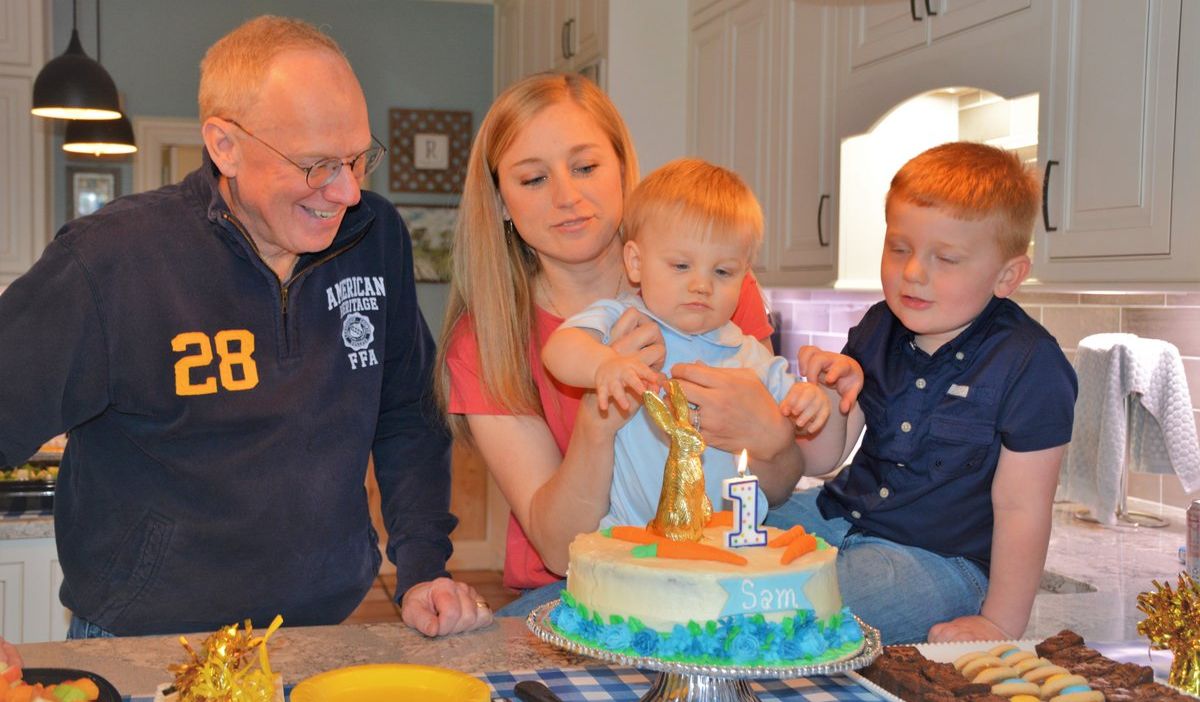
(807, 405)
(839, 372)
(621, 373)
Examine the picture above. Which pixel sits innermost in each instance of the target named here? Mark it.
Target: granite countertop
(26, 527)
(1094, 574)
(137, 665)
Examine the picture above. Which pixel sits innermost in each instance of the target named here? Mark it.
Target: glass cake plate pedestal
(693, 682)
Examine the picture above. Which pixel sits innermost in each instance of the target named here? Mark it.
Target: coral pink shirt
(523, 568)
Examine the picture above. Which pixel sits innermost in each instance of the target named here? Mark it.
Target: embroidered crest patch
(357, 331)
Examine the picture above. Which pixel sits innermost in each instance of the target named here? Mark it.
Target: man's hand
(973, 628)
(444, 606)
(834, 370)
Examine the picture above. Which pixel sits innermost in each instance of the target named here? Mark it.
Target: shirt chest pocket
(959, 444)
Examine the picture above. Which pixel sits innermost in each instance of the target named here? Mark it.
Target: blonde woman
(539, 239)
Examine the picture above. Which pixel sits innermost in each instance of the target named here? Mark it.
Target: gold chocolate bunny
(683, 506)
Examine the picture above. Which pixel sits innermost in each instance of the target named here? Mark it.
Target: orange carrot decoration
(692, 551)
(723, 518)
(786, 537)
(638, 535)
(802, 545)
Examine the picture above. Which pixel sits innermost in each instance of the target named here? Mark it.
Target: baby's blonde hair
(233, 69)
(973, 181)
(710, 201)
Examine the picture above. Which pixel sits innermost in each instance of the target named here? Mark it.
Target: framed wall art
(432, 229)
(427, 150)
(89, 188)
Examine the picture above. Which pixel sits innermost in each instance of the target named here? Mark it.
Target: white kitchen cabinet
(731, 88)
(1110, 145)
(29, 580)
(879, 30)
(802, 220)
(635, 50)
(532, 36)
(23, 138)
(760, 104)
(581, 26)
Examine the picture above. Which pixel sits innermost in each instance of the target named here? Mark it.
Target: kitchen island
(137, 665)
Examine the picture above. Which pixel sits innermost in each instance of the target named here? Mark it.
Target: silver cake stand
(689, 682)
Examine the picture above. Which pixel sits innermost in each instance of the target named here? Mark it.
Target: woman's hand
(636, 334)
(735, 412)
(735, 409)
(444, 606)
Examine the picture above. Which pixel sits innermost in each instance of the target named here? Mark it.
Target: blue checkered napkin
(604, 683)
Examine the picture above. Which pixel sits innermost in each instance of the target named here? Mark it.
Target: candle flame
(742, 464)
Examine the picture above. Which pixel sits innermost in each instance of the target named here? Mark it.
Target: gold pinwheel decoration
(1173, 622)
(231, 666)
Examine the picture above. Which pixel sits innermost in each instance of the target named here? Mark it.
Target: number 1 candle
(742, 491)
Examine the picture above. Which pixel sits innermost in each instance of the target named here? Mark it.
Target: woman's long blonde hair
(492, 269)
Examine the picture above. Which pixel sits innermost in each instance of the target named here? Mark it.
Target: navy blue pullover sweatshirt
(220, 421)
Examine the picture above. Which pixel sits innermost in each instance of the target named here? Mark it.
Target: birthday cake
(633, 593)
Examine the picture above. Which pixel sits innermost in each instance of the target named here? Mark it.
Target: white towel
(1133, 404)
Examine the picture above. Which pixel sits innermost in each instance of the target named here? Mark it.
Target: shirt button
(884, 492)
(905, 427)
(920, 383)
(856, 514)
(959, 355)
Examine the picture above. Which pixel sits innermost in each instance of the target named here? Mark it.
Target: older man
(226, 353)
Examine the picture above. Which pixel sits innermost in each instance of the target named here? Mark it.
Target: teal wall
(407, 53)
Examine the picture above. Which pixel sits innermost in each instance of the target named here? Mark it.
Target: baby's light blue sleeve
(600, 316)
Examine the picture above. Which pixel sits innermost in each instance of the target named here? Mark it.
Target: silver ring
(696, 419)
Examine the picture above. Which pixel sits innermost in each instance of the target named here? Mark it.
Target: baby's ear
(633, 262)
(1014, 272)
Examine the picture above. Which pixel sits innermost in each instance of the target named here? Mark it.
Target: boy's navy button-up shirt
(935, 425)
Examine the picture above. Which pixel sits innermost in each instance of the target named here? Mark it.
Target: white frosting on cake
(605, 576)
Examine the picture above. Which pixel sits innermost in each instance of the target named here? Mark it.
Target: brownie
(1063, 639)
(983, 697)
(1092, 668)
(943, 675)
(1075, 656)
(1122, 675)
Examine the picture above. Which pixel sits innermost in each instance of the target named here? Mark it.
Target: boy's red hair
(974, 181)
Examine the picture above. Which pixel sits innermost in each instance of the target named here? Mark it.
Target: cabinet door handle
(1046, 196)
(571, 38)
(929, 10)
(563, 38)
(912, 7)
(820, 218)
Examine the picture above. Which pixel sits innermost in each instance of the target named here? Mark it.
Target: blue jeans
(900, 590)
(531, 599)
(83, 629)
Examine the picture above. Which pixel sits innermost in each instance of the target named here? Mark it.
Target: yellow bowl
(391, 681)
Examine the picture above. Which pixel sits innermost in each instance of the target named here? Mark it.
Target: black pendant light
(73, 86)
(103, 137)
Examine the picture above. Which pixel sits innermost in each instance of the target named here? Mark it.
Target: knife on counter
(534, 691)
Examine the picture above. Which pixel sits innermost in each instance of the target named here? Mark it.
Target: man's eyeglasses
(324, 172)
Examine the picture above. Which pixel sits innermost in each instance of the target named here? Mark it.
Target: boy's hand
(621, 373)
(807, 405)
(971, 628)
(835, 370)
